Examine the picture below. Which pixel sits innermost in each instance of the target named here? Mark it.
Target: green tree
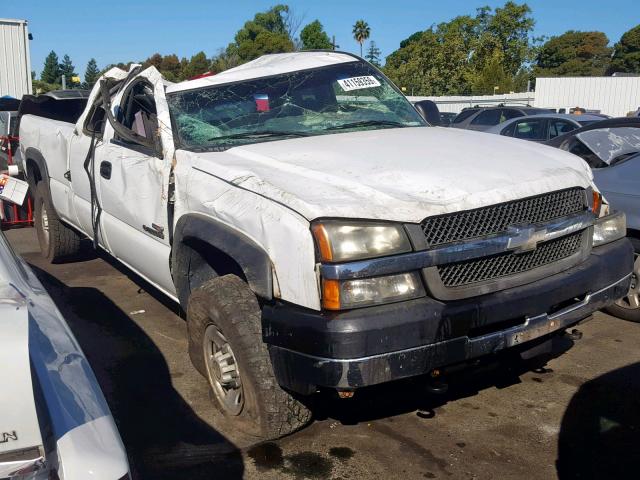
(40, 87)
(69, 71)
(457, 57)
(508, 29)
(170, 68)
(626, 53)
(493, 75)
(361, 32)
(313, 37)
(51, 71)
(268, 32)
(574, 54)
(198, 65)
(91, 73)
(154, 60)
(373, 54)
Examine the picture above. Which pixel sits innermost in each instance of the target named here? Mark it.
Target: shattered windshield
(352, 96)
(611, 143)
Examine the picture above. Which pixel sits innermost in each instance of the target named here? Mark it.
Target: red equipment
(14, 215)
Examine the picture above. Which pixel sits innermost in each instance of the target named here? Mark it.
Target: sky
(115, 31)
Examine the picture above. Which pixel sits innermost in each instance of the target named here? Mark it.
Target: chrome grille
(479, 270)
(496, 218)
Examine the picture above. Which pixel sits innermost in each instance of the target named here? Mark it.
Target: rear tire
(57, 241)
(226, 347)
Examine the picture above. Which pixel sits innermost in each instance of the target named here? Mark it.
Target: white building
(615, 96)
(15, 60)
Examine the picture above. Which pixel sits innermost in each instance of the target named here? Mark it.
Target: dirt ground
(576, 417)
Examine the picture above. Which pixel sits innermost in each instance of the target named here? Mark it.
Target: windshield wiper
(259, 133)
(367, 123)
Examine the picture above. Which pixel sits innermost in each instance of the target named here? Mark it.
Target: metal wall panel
(15, 61)
(615, 96)
(455, 103)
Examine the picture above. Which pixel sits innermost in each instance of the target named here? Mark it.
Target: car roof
(566, 116)
(267, 65)
(606, 123)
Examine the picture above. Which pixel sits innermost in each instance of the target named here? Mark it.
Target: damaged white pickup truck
(317, 231)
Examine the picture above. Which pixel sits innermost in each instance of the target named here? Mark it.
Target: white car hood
(403, 174)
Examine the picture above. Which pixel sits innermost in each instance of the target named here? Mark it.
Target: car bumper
(349, 350)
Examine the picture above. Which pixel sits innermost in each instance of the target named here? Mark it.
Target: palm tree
(361, 32)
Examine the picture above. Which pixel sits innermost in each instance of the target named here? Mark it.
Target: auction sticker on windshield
(357, 83)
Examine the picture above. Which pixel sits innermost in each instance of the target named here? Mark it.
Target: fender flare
(34, 155)
(251, 257)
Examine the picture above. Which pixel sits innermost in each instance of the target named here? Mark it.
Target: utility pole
(333, 42)
(64, 82)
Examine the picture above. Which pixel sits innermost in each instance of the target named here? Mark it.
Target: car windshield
(350, 96)
(611, 143)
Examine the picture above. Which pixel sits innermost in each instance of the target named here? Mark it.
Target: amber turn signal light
(331, 294)
(597, 203)
(324, 244)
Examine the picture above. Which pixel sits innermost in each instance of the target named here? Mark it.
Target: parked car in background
(446, 118)
(54, 420)
(483, 118)
(612, 149)
(542, 127)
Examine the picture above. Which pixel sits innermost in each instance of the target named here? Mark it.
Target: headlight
(341, 295)
(342, 241)
(609, 228)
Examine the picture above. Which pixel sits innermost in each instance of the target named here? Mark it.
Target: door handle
(105, 170)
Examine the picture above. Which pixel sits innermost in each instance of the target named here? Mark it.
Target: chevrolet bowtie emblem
(524, 239)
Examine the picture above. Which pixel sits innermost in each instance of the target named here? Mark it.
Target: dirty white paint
(265, 66)
(218, 191)
(366, 175)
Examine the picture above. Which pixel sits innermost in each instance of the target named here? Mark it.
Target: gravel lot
(577, 417)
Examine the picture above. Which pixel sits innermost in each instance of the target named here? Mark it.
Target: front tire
(57, 241)
(226, 347)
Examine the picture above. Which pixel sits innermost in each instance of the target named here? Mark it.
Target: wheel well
(198, 261)
(33, 171)
(634, 236)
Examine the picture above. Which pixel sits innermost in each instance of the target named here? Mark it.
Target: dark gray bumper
(299, 371)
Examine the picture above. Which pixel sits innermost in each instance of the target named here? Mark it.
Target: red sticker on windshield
(262, 102)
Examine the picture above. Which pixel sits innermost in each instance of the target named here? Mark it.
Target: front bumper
(347, 350)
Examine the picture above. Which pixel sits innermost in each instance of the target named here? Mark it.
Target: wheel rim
(44, 223)
(222, 370)
(632, 300)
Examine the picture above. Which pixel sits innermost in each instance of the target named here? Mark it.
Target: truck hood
(400, 174)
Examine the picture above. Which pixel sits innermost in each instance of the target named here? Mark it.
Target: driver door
(132, 179)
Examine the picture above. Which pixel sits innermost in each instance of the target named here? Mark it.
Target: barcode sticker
(357, 83)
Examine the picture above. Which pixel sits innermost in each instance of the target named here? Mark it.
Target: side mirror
(429, 111)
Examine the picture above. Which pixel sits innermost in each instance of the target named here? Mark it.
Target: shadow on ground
(163, 436)
(600, 431)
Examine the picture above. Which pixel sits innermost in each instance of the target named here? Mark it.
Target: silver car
(54, 420)
(543, 127)
(483, 118)
(612, 149)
